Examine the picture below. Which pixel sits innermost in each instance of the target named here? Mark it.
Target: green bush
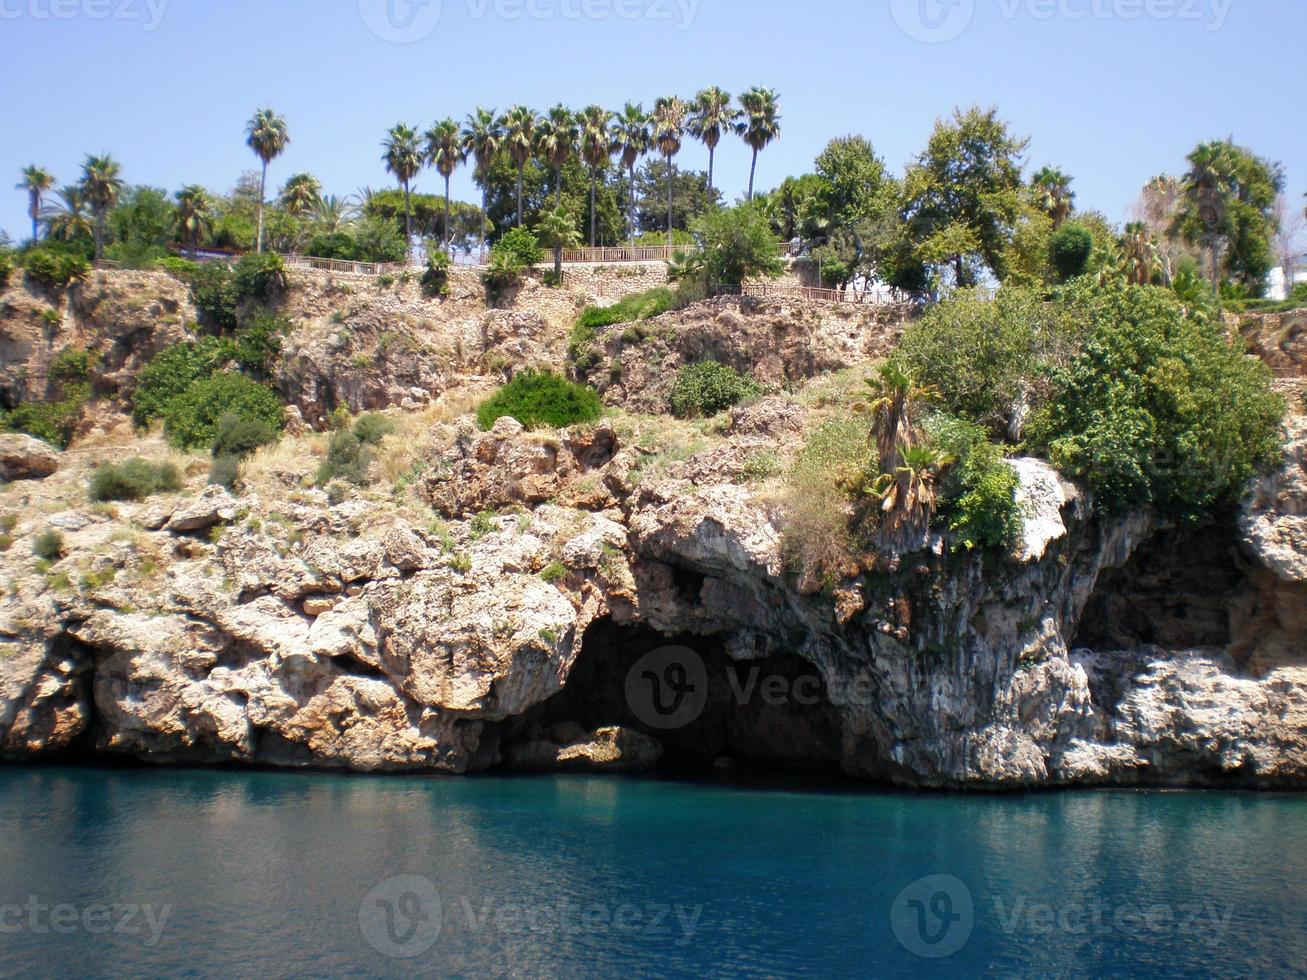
(174, 369)
(984, 358)
(224, 471)
(48, 545)
(520, 247)
(71, 364)
(348, 458)
(238, 437)
(435, 278)
(979, 492)
(1159, 408)
(55, 269)
(134, 479)
(258, 343)
(214, 294)
(737, 244)
(706, 388)
(191, 418)
(537, 398)
(178, 267)
(371, 428)
(6, 266)
(259, 276)
(55, 421)
(1070, 249)
(500, 275)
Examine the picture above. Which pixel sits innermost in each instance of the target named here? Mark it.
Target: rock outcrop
(25, 458)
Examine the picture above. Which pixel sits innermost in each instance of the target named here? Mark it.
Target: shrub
(500, 275)
(258, 343)
(520, 246)
(1070, 249)
(987, 359)
(259, 276)
(979, 492)
(48, 545)
(347, 459)
(553, 573)
(178, 267)
(134, 479)
(214, 294)
(71, 364)
(1159, 408)
(371, 428)
(238, 437)
(435, 278)
(55, 269)
(6, 267)
(737, 244)
(224, 471)
(54, 421)
(541, 398)
(706, 388)
(191, 418)
(174, 369)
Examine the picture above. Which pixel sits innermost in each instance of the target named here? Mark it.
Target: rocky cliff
(617, 597)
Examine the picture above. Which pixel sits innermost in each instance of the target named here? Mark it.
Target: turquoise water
(198, 873)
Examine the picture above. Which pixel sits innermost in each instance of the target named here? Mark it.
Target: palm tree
(558, 231)
(445, 152)
(906, 470)
(667, 129)
(759, 124)
(1207, 191)
(193, 215)
(67, 220)
(556, 138)
(519, 128)
(596, 147)
(1139, 253)
(36, 182)
(482, 140)
(712, 115)
(1053, 192)
(100, 187)
(631, 139)
(403, 158)
(332, 213)
(300, 194)
(267, 136)
(908, 496)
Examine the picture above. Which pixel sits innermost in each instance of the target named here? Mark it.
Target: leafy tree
(964, 192)
(267, 136)
(191, 418)
(36, 183)
(693, 196)
(403, 159)
(174, 369)
(712, 114)
(667, 129)
(759, 124)
(632, 139)
(445, 152)
(1070, 248)
(737, 244)
(100, 187)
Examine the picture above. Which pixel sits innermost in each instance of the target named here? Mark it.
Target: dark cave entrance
(699, 704)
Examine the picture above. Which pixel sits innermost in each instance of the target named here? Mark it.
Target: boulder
(25, 458)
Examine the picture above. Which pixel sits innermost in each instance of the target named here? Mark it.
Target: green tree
(596, 149)
(403, 159)
(101, 184)
(36, 182)
(557, 230)
(266, 134)
(519, 129)
(68, 220)
(1053, 194)
(737, 244)
(963, 194)
(194, 216)
(667, 130)
(301, 194)
(445, 152)
(1071, 248)
(632, 139)
(713, 114)
(483, 138)
(759, 125)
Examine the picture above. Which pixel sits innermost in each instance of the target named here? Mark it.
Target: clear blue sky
(1112, 98)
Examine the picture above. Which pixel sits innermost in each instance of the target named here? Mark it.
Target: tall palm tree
(403, 158)
(558, 231)
(631, 139)
(1139, 253)
(712, 115)
(667, 130)
(331, 214)
(482, 140)
(194, 215)
(1053, 192)
(36, 181)
(300, 194)
(759, 124)
(68, 220)
(519, 129)
(906, 469)
(100, 186)
(1207, 190)
(596, 148)
(556, 139)
(267, 136)
(445, 152)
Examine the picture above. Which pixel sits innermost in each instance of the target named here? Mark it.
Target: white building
(1280, 285)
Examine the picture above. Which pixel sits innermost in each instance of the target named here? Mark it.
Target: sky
(1111, 91)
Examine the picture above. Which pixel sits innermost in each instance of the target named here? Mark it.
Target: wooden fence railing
(815, 294)
(343, 265)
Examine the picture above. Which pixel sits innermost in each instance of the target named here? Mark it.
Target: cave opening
(704, 709)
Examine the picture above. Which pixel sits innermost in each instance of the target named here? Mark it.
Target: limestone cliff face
(279, 629)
